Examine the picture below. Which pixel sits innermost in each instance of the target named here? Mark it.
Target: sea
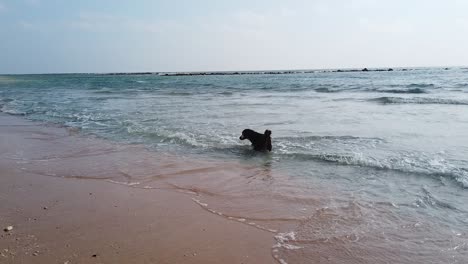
(366, 167)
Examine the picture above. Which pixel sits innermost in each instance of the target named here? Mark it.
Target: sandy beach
(150, 169)
(331, 132)
(61, 216)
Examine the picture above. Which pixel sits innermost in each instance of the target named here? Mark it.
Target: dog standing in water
(260, 142)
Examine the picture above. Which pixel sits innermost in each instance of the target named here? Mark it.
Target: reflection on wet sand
(309, 223)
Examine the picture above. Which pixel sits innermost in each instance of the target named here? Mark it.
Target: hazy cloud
(261, 19)
(249, 21)
(33, 2)
(462, 22)
(396, 26)
(25, 25)
(101, 22)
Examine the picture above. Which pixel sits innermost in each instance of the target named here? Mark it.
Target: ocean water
(366, 167)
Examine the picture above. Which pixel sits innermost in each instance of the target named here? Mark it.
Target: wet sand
(60, 214)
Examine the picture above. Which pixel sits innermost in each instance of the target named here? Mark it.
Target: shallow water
(367, 167)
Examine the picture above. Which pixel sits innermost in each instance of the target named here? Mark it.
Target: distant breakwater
(261, 72)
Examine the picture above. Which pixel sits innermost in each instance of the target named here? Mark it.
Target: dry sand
(79, 220)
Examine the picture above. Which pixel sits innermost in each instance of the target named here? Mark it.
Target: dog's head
(246, 134)
(249, 134)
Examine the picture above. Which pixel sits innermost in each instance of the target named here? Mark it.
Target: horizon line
(240, 71)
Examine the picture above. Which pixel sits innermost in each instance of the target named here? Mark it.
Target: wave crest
(405, 163)
(418, 100)
(403, 91)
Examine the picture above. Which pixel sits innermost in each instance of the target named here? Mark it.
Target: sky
(59, 36)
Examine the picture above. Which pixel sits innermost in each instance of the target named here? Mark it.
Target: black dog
(260, 142)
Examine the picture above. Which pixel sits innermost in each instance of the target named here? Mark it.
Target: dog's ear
(267, 132)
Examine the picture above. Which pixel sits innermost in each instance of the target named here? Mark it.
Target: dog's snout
(241, 137)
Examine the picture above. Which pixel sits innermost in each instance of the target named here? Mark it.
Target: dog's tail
(268, 139)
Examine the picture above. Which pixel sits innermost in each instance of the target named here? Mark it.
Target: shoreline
(58, 218)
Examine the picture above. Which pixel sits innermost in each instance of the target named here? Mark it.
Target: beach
(59, 219)
(366, 167)
(298, 132)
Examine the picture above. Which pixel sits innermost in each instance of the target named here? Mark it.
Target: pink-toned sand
(59, 216)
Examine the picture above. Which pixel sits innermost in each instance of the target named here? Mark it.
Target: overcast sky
(42, 36)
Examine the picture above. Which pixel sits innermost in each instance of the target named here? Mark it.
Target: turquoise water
(390, 147)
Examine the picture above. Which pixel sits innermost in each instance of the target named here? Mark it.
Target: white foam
(200, 203)
(284, 240)
(241, 220)
(284, 237)
(416, 162)
(124, 183)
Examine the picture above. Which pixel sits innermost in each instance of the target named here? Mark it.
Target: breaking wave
(340, 150)
(405, 163)
(418, 100)
(421, 85)
(327, 90)
(403, 91)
